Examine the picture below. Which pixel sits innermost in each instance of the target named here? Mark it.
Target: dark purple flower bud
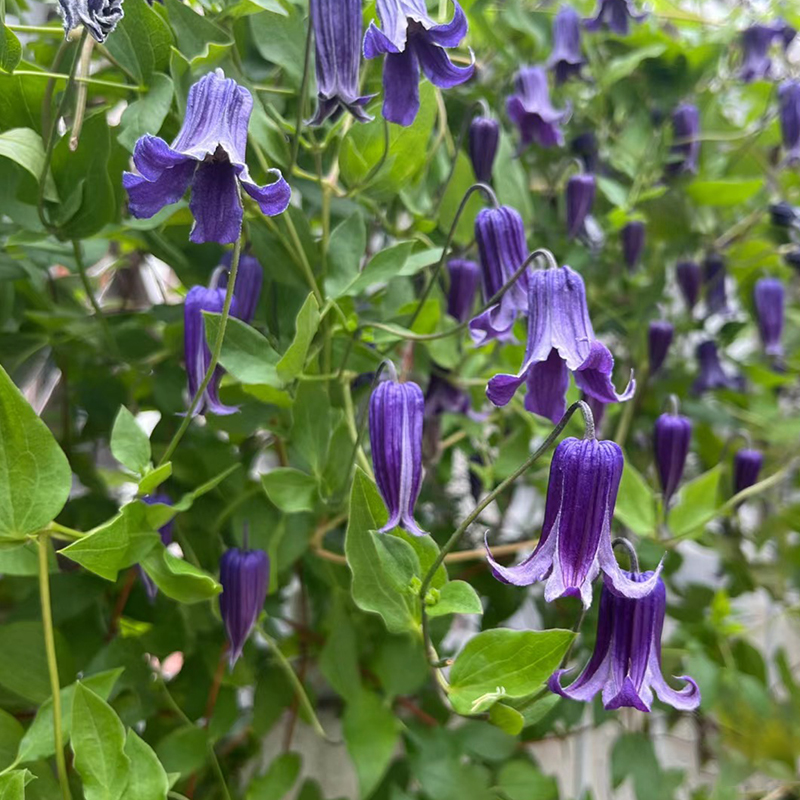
(337, 40)
(484, 137)
(786, 32)
(768, 300)
(714, 273)
(614, 15)
(99, 17)
(626, 663)
(532, 112)
(756, 42)
(671, 437)
(659, 338)
(585, 147)
(789, 105)
(165, 531)
(500, 234)
(560, 340)
(580, 198)
(410, 39)
(565, 59)
(247, 291)
(784, 215)
(689, 281)
(195, 348)
(209, 155)
(711, 374)
(747, 465)
(685, 148)
(792, 258)
(464, 279)
(396, 411)
(244, 575)
(632, 237)
(575, 545)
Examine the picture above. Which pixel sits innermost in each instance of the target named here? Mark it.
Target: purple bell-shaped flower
(685, 149)
(768, 298)
(789, 115)
(632, 237)
(689, 280)
(614, 15)
(714, 274)
(464, 279)
(747, 465)
(247, 292)
(711, 374)
(484, 138)
(659, 338)
(671, 436)
(566, 59)
(580, 198)
(532, 112)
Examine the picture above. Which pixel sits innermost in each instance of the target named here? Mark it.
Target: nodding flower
(789, 115)
(580, 198)
(659, 339)
(465, 276)
(689, 278)
(532, 112)
(247, 290)
(632, 237)
(685, 149)
(99, 17)
(768, 298)
(711, 375)
(671, 436)
(484, 138)
(566, 59)
(615, 15)
(747, 465)
(714, 274)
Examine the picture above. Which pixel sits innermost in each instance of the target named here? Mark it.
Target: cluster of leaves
(370, 216)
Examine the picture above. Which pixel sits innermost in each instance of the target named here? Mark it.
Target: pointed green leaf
(456, 597)
(246, 354)
(130, 445)
(290, 490)
(179, 579)
(149, 780)
(294, 359)
(635, 503)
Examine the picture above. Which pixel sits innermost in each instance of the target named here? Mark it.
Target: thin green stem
(56, 76)
(303, 259)
(87, 287)
(215, 353)
(47, 99)
(301, 100)
(47, 30)
(83, 92)
(52, 663)
(274, 90)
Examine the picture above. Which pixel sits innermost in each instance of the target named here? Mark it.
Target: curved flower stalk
(747, 465)
(575, 545)
(484, 137)
(626, 663)
(500, 234)
(671, 437)
(99, 17)
(247, 290)
(659, 339)
(244, 575)
(337, 43)
(410, 39)
(196, 351)
(768, 298)
(396, 412)
(560, 340)
(566, 60)
(689, 278)
(711, 374)
(532, 112)
(685, 150)
(209, 155)
(615, 15)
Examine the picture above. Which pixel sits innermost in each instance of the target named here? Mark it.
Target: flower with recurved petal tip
(614, 15)
(575, 545)
(566, 59)
(532, 112)
(410, 39)
(99, 17)
(208, 155)
(626, 663)
(560, 340)
(711, 374)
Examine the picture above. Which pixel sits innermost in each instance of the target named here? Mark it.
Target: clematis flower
(659, 338)
(396, 411)
(714, 273)
(196, 350)
(337, 45)
(560, 338)
(711, 374)
(484, 137)
(632, 237)
(580, 198)
(575, 545)
(614, 15)
(756, 43)
(165, 531)
(465, 276)
(500, 234)
(244, 575)
(208, 155)
(768, 300)
(671, 436)
(747, 465)
(566, 59)
(532, 112)
(247, 291)
(789, 114)
(99, 17)
(410, 39)
(689, 279)
(626, 663)
(784, 215)
(686, 148)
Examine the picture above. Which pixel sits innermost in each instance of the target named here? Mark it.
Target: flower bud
(464, 279)
(689, 279)
(768, 299)
(659, 338)
(747, 465)
(714, 273)
(632, 237)
(484, 137)
(671, 437)
(580, 197)
(789, 114)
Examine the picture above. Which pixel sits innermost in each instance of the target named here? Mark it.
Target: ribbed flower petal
(272, 199)
(451, 33)
(401, 87)
(244, 575)
(671, 437)
(215, 204)
(768, 298)
(436, 65)
(547, 382)
(146, 198)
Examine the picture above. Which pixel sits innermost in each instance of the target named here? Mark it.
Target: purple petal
(451, 33)
(594, 376)
(152, 156)
(146, 198)
(272, 199)
(548, 382)
(534, 568)
(401, 87)
(377, 43)
(215, 204)
(437, 66)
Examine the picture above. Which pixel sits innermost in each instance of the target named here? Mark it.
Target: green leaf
(12, 785)
(294, 359)
(246, 354)
(38, 741)
(626, 65)
(149, 780)
(281, 39)
(278, 780)
(184, 750)
(521, 780)
(10, 50)
(371, 733)
(504, 663)
(635, 503)
(122, 541)
(130, 445)
(24, 146)
(462, 179)
(731, 192)
(312, 425)
(11, 732)
(195, 34)
(35, 477)
(698, 502)
(98, 742)
(154, 478)
(141, 42)
(382, 267)
(506, 718)
(147, 114)
(345, 250)
(21, 559)
(338, 661)
(456, 597)
(179, 579)
(290, 490)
